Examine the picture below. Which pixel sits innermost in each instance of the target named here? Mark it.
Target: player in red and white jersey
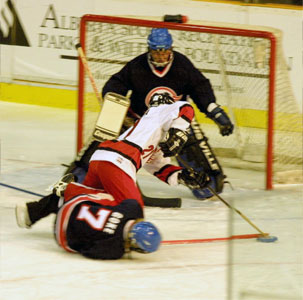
(159, 134)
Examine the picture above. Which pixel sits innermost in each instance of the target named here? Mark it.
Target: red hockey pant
(107, 176)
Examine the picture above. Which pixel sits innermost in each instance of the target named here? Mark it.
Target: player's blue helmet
(145, 237)
(159, 38)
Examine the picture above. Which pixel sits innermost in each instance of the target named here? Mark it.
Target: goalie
(164, 70)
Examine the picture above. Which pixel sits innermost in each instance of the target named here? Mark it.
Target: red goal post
(241, 64)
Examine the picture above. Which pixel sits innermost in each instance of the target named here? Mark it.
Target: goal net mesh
(237, 61)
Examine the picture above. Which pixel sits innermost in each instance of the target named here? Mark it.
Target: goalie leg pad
(199, 156)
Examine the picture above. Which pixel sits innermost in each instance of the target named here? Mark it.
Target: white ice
(36, 140)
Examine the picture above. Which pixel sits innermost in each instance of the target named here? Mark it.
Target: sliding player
(163, 70)
(91, 222)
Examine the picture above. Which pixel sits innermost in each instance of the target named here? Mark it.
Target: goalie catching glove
(219, 116)
(173, 142)
(193, 180)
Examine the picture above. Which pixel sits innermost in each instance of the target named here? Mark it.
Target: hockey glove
(158, 99)
(193, 180)
(219, 116)
(173, 142)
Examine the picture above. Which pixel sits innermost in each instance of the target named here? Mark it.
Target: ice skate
(22, 216)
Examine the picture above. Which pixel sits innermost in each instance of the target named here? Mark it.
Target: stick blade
(267, 239)
(162, 202)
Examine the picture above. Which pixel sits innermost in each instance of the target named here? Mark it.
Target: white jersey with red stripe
(138, 146)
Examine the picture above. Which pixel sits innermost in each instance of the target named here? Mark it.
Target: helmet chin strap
(160, 64)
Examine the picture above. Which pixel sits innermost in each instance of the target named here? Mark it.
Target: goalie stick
(107, 129)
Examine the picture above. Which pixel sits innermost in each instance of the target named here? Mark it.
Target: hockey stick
(88, 71)
(21, 190)
(160, 202)
(263, 234)
(198, 241)
(148, 201)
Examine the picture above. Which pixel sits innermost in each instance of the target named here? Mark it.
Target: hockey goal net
(248, 74)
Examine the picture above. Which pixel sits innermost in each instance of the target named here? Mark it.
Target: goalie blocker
(107, 127)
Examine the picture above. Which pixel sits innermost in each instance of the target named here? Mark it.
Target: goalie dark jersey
(91, 222)
(179, 78)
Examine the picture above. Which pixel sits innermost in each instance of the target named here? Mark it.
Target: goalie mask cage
(246, 69)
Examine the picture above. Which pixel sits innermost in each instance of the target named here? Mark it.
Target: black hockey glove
(173, 142)
(219, 116)
(193, 180)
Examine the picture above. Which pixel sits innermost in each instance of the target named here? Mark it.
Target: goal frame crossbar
(194, 28)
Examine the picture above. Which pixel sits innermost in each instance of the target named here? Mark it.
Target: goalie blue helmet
(145, 237)
(159, 38)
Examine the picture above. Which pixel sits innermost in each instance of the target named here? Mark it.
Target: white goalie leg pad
(111, 117)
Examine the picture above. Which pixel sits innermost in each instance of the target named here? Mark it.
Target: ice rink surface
(36, 140)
